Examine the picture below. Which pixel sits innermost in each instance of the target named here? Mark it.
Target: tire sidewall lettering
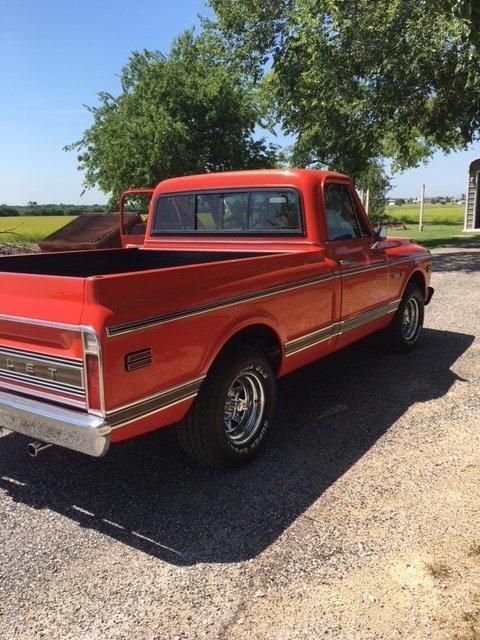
(260, 370)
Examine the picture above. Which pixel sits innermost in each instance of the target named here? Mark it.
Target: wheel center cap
(241, 405)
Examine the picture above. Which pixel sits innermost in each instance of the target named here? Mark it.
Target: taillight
(93, 373)
(93, 381)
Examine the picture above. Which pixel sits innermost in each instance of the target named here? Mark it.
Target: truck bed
(83, 264)
(131, 297)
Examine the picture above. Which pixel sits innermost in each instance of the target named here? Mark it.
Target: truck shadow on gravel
(145, 494)
(457, 261)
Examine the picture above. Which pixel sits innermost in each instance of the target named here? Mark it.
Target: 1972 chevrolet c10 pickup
(240, 278)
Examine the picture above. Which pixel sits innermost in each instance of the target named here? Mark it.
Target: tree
(378, 183)
(357, 82)
(469, 11)
(8, 211)
(178, 114)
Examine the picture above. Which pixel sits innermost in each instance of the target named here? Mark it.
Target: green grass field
(434, 235)
(23, 229)
(443, 223)
(433, 213)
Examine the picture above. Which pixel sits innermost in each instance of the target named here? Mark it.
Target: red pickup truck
(240, 278)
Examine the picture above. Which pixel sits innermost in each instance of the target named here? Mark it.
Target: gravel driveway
(357, 522)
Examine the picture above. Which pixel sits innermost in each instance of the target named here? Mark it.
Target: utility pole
(367, 201)
(420, 219)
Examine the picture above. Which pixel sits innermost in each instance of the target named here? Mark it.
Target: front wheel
(229, 420)
(404, 331)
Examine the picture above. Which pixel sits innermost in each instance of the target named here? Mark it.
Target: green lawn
(434, 235)
(22, 229)
(433, 213)
(443, 223)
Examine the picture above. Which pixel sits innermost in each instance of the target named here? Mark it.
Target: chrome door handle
(347, 261)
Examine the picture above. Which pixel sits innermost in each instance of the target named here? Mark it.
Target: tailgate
(41, 351)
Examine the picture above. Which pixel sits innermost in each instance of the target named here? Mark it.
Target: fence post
(367, 201)
(420, 218)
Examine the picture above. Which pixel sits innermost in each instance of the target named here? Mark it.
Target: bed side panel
(182, 347)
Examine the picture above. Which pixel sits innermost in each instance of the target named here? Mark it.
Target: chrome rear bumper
(75, 430)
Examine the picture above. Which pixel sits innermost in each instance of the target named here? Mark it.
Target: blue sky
(56, 55)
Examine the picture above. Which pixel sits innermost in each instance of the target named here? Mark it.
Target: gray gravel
(371, 475)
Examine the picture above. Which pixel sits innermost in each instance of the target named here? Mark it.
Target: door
(362, 262)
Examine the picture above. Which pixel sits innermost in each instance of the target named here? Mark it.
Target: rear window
(256, 212)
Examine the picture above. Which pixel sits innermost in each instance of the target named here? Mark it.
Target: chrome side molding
(125, 414)
(330, 331)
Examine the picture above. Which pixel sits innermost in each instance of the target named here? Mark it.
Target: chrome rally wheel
(244, 408)
(411, 317)
(405, 329)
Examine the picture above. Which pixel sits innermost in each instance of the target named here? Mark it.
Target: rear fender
(262, 320)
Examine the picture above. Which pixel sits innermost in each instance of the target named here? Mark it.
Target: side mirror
(380, 232)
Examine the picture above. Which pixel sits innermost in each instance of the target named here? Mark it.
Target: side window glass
(341, 220)
(364, 230)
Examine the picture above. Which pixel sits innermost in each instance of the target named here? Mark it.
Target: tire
(229, 419)
(404, 331)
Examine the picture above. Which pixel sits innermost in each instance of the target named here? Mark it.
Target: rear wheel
(404, 331)
(229, 420)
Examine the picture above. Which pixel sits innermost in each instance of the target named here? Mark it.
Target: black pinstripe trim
(213, 306)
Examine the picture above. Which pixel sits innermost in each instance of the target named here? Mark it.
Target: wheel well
(261, 335)
(419, 279)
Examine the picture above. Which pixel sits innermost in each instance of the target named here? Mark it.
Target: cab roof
(245, 179)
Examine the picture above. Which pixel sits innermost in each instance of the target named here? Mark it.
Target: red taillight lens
(93, 381)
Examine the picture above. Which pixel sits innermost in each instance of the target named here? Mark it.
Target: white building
(472, 203)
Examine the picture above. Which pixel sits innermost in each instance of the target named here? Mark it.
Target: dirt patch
(9, 249)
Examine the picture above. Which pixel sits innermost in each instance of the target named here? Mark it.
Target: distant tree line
(34, 209)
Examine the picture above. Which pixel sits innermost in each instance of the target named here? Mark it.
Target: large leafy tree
(356, 82)
(469, 11)
(183, 113)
